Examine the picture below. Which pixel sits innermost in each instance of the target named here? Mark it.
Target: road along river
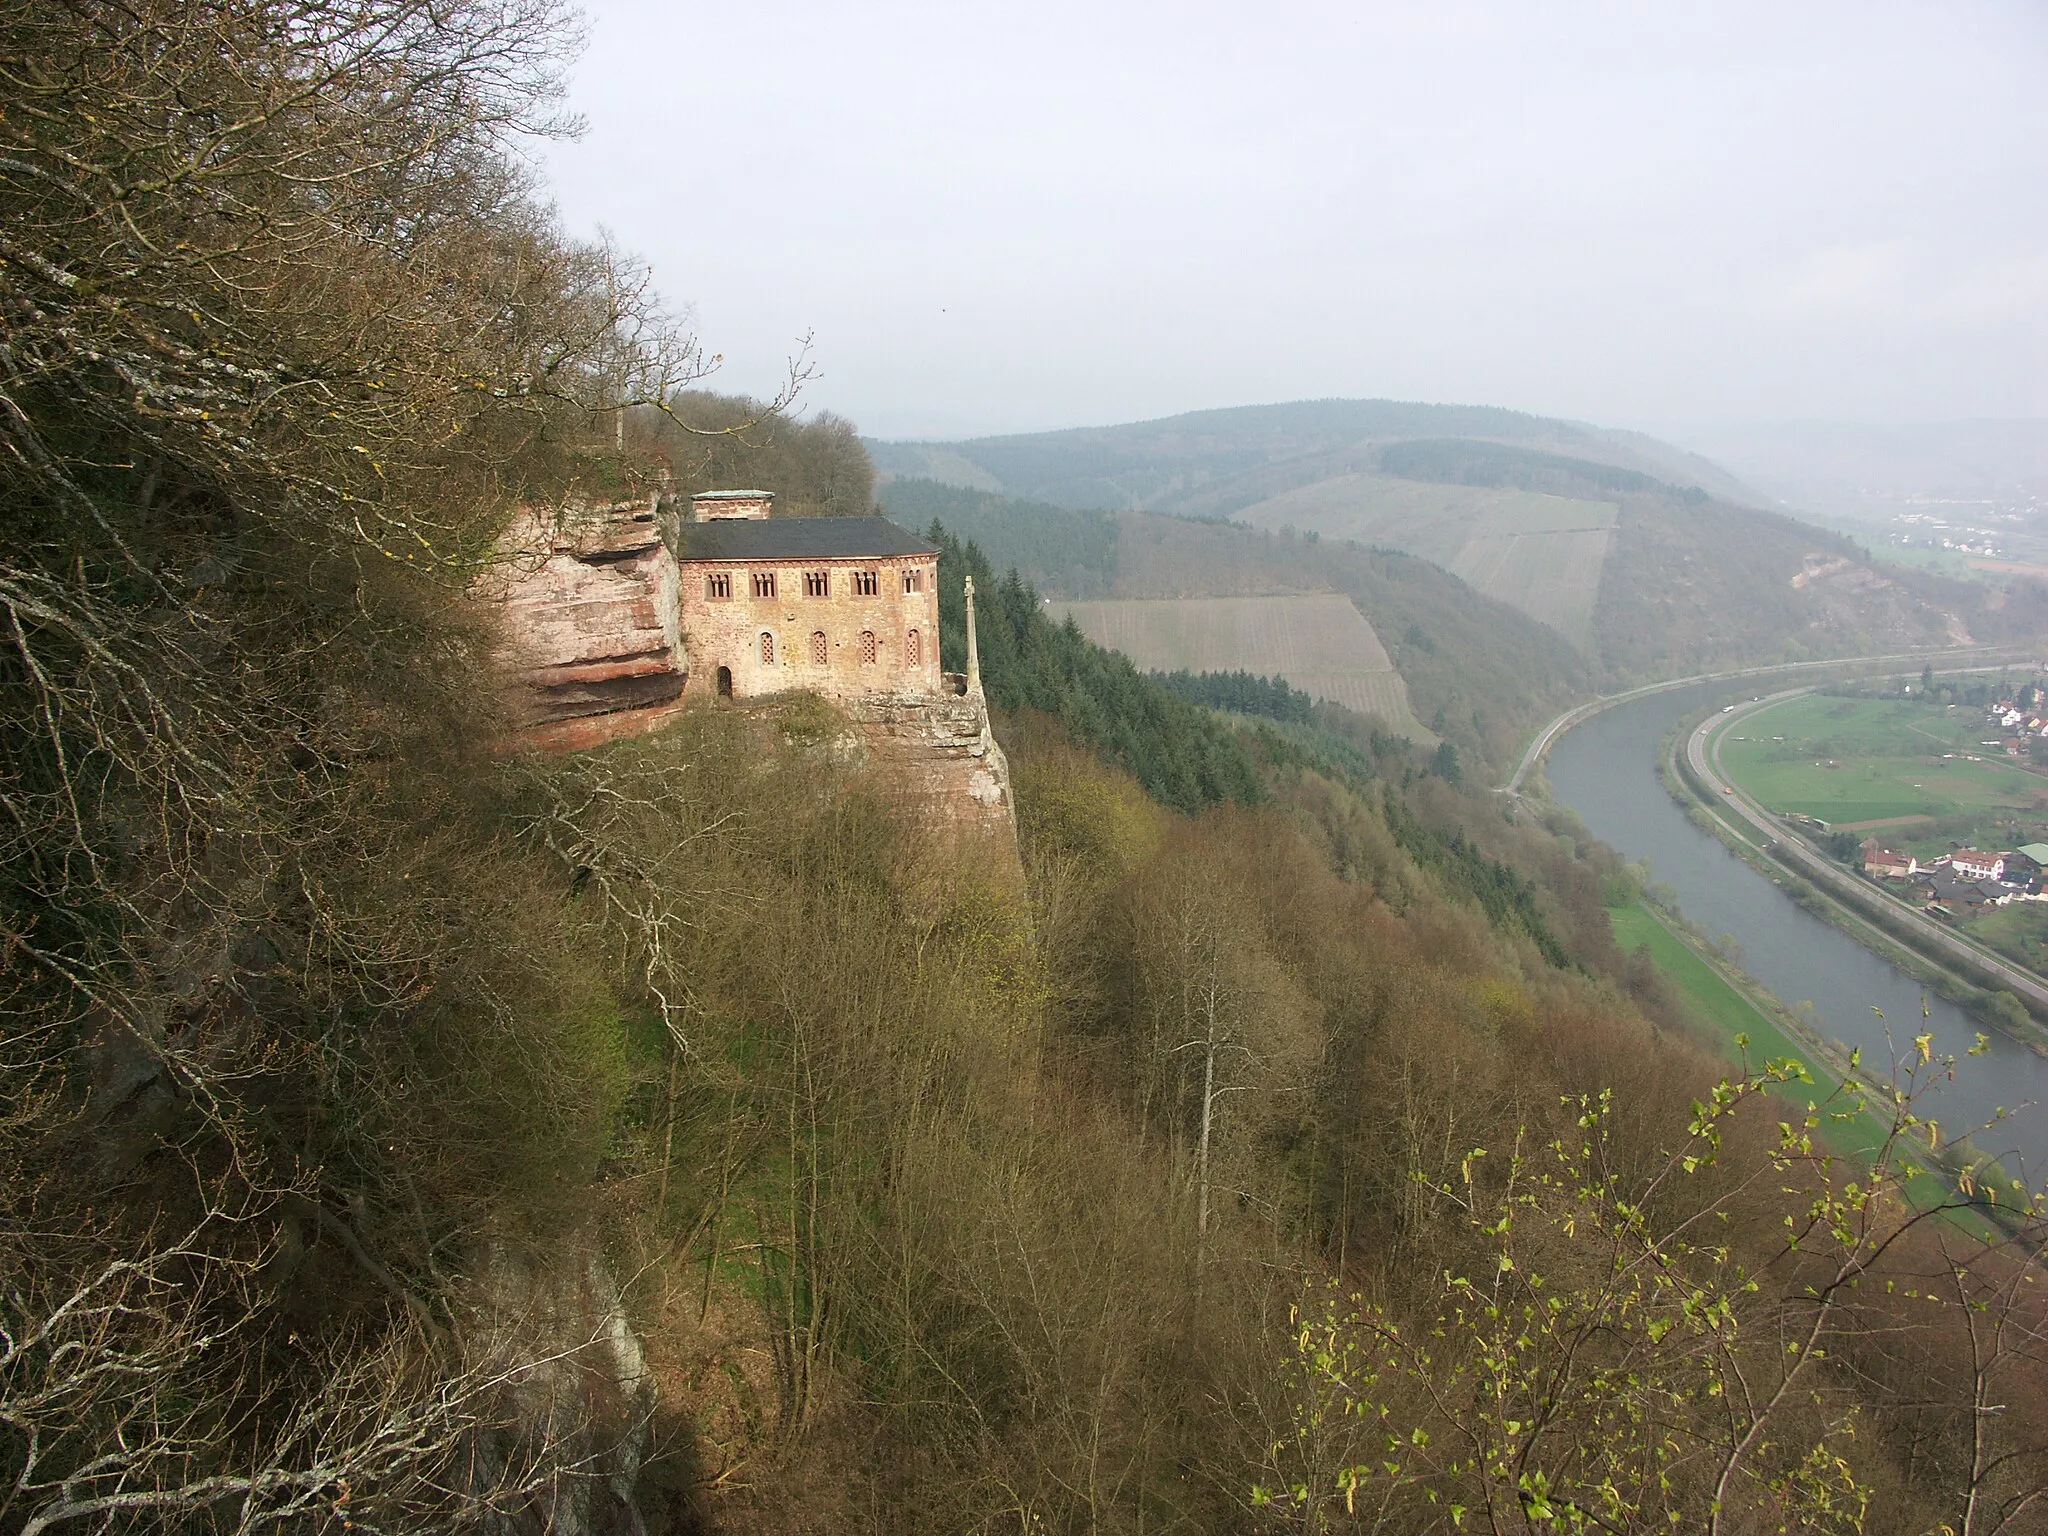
(1606, 770)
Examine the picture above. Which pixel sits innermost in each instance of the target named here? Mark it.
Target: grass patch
(1847, 760)
(2019, 932)
(1717, 1001)
(1709, 992)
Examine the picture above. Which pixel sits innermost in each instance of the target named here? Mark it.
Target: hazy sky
(1011, 217)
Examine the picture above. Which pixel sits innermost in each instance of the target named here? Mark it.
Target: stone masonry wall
(726, 632)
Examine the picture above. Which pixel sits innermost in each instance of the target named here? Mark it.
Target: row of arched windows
(870, 648)
(718, 585)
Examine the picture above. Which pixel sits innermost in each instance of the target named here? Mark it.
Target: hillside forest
(404, 1133)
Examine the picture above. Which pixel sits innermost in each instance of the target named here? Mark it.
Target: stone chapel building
(843, 606)
(610, 628)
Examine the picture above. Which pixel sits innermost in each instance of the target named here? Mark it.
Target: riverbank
(1869, 917)
(1837, 989)
(1847, 667)
(1754, 1028)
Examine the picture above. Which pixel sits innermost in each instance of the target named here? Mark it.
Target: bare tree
(1223, 1017)
(284, 339)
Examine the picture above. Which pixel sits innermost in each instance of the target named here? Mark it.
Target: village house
(1881, 863)
(844, 606)
(1970, 864)
(1946, 891)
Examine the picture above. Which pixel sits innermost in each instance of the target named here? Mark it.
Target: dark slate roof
(800, 538)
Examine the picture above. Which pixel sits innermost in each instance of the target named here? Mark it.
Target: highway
(1703, 755)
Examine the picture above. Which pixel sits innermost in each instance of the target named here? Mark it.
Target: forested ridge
(401, 1134)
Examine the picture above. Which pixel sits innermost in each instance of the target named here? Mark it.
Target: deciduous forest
(402, 1133)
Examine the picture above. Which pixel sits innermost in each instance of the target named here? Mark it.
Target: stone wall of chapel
(726, 632)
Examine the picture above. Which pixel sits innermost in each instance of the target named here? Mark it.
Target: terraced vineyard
(1553, 577)
(1320, 644)
(1542, 554)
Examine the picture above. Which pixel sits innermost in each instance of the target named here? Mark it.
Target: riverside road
(1703, 756)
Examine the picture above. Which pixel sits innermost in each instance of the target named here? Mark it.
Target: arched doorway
(725, 682)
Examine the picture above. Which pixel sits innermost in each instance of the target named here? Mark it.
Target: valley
(1646, 560)
(589, 951)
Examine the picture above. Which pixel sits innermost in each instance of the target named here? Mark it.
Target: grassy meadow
(1711, 995)
(1856, 761)
(1716, 1002)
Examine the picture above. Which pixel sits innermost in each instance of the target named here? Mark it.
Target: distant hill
(1649, 560)
(1477, 672)
(1539, 552)
(1211, 463)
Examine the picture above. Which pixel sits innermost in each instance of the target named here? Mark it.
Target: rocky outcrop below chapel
(939, 756)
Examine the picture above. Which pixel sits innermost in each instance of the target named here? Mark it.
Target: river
(1606, 770)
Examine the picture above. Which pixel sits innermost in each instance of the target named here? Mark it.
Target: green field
(1711, 995)
(2019, 932)
(1860, 760)
(1730, 1014)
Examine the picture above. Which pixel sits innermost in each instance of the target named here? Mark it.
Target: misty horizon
(991, 224)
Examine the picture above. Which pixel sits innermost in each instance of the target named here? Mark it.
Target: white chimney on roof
(719, 506)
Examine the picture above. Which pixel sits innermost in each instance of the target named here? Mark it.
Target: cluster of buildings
(2020, 721)
(1968, 878)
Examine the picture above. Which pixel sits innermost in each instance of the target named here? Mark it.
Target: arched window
(913, 649)
(820, 653)
(767, 649)
(867, 648)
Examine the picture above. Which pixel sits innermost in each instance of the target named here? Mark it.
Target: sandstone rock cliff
(591, 626)
(940, 758)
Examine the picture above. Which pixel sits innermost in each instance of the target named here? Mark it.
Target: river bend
(1606, 770)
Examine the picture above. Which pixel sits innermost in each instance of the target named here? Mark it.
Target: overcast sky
(1000, 218)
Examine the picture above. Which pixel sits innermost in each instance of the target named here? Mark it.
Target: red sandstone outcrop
(940, 758)
(590, 623)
